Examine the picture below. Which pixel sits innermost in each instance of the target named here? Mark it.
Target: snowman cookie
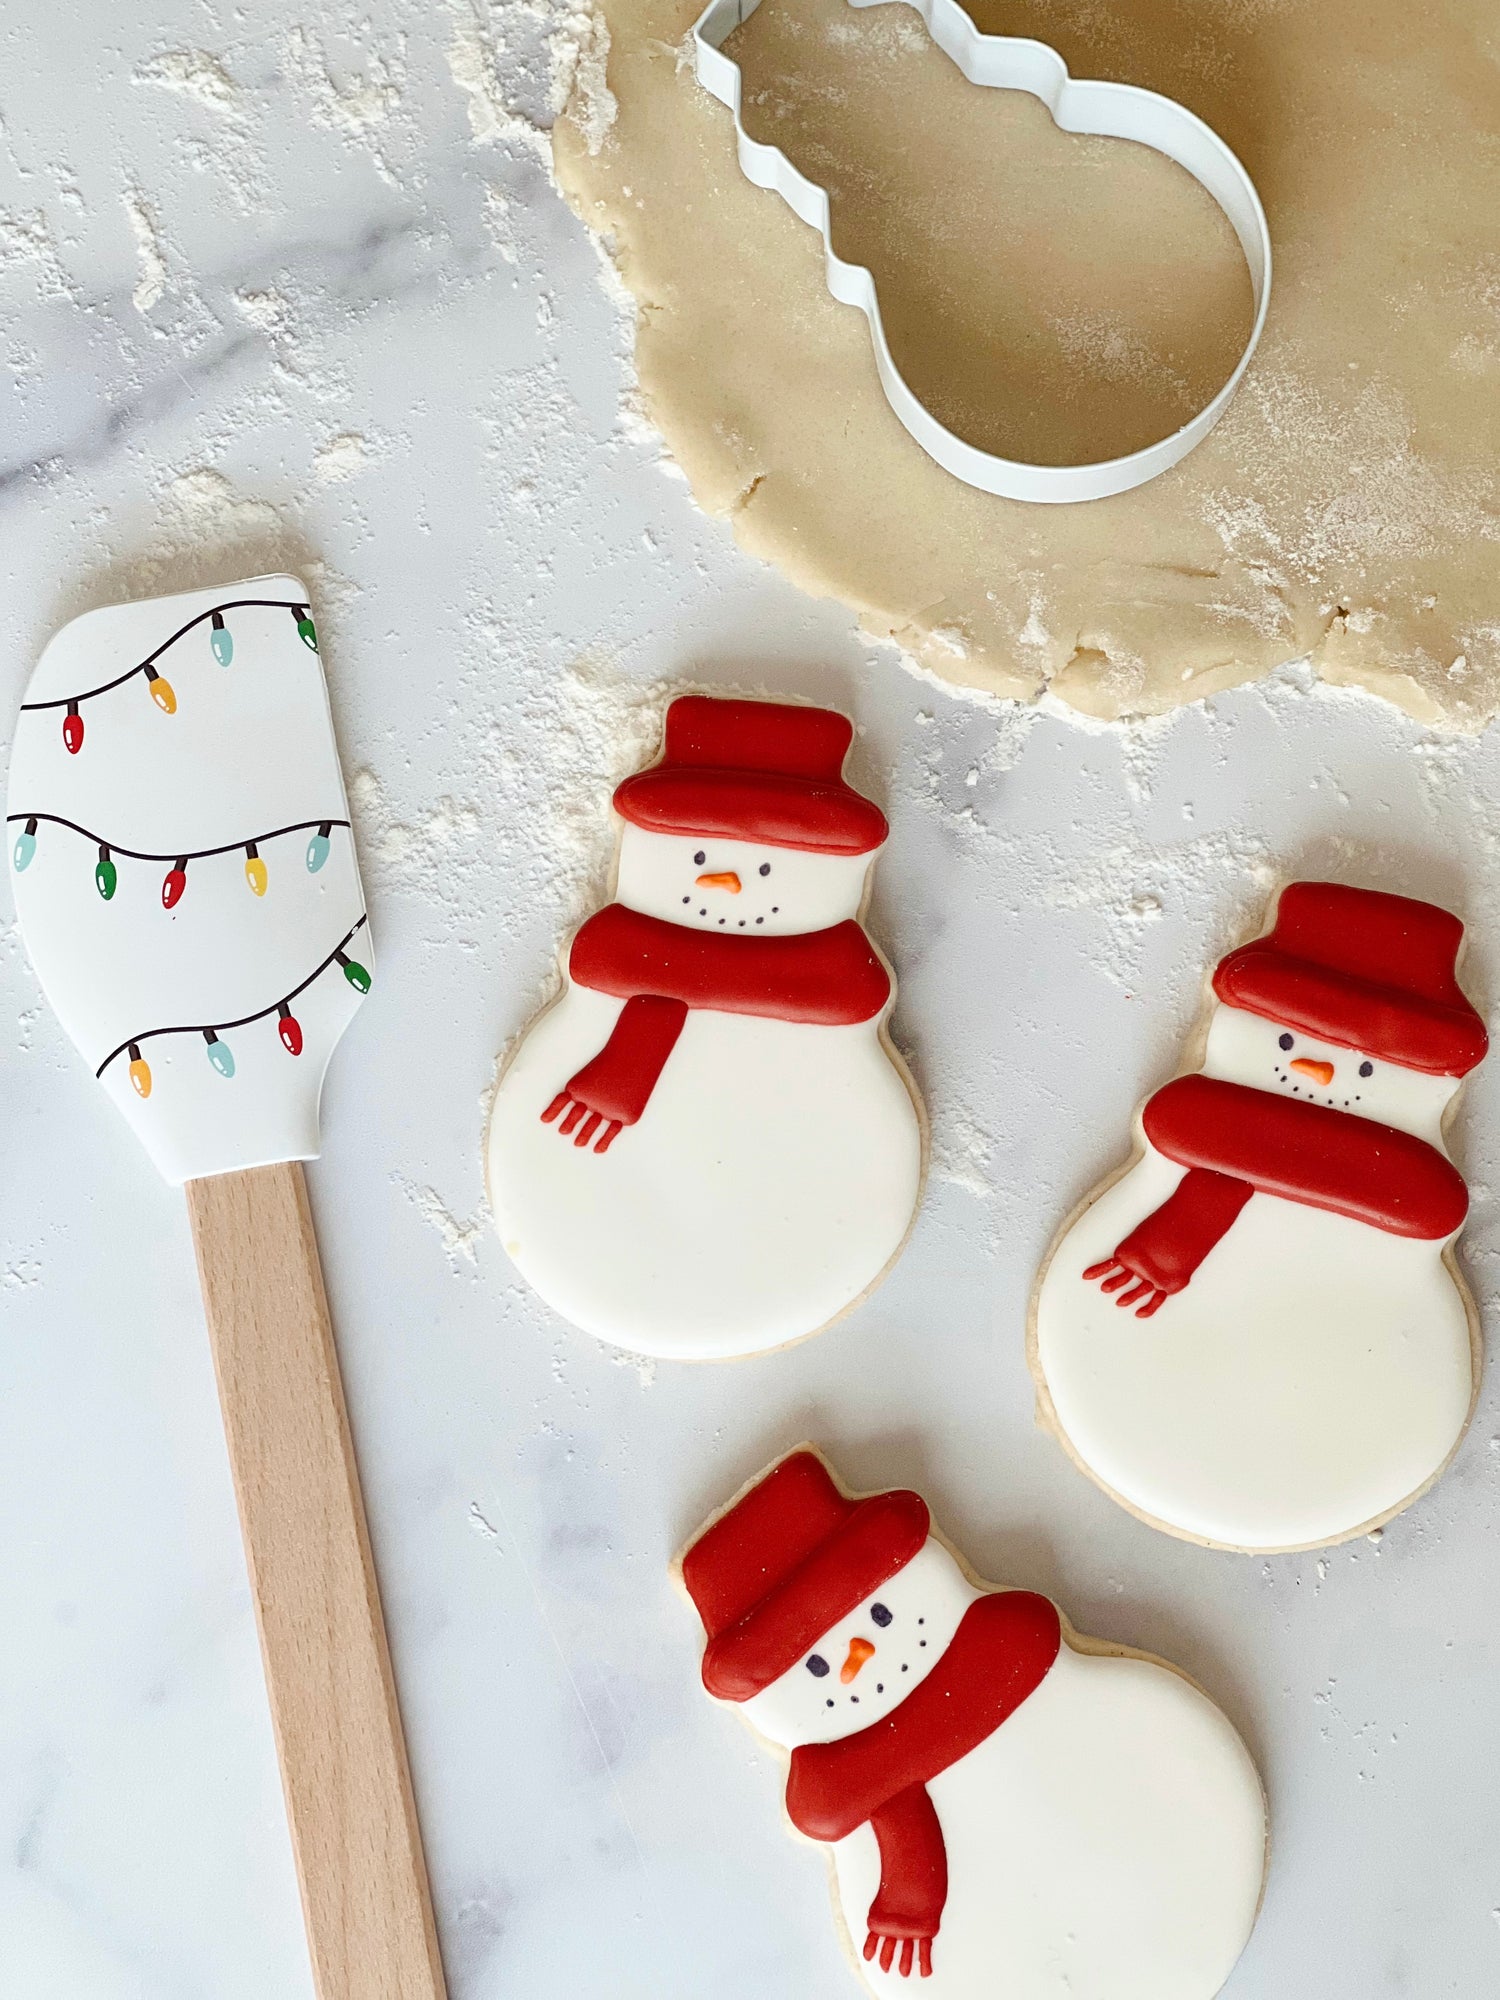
(1255, 1335)
(1008, 1809)
(707, 1146)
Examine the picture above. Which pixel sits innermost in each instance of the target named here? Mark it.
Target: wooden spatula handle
(333, 1702)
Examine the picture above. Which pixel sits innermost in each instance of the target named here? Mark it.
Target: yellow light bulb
(140, 1076)
(162, 694)
(255, 874)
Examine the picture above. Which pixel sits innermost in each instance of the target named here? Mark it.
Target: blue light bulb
(219, 1053)
(222, 640)
(25, 846)
(317, 850)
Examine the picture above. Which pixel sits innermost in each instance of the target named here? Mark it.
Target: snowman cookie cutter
(1102, 110)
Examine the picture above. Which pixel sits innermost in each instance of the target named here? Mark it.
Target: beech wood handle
(354, 1829)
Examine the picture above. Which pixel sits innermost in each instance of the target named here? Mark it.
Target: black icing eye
(765, 868)
(817, 1665)
(1283, 1042)
(1367, 1069)
(881, 1616)
(700, 857)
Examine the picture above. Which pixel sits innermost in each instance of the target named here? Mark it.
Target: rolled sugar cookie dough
(1062, 297)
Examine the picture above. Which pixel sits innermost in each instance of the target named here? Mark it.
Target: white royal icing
(783, 890)
(1106, 1842)
(776, 1169)
(1316, 1371)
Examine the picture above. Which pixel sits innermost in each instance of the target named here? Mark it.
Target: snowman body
(1105, 1842)
(775, 1168)
(1108, 1843)
(1314, 1373)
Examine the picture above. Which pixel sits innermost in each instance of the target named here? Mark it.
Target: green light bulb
(106, 876)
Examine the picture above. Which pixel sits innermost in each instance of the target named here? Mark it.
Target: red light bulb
(173, 884)
(73, 729)
(290, 1030)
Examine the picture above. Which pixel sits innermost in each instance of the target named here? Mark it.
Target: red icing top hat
(1365, 970)
(791, 1558)
(754, 770)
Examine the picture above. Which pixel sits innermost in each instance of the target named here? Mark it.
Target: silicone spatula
(187, 887)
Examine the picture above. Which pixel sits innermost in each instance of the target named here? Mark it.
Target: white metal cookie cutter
(1107, 110)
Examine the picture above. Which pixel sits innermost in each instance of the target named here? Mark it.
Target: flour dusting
(192, 73)
(152, 284)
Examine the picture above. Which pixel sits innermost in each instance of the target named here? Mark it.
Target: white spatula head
(184, 870)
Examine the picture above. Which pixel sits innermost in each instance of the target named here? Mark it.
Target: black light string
(219, 1053)
(106, 876)
(221, 644)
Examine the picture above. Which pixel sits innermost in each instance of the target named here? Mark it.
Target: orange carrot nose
(1320, 1072)
(860, 1650)
(727, 880)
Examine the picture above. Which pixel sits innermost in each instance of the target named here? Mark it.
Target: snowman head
(746, 827)
(862, 1666)
(739, 887)
(1282, 1056)
(1349, 1002)
(822, 1613)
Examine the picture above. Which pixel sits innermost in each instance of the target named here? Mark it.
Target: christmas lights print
(174, 883)
(160, 689)
(218, 1051)
(184, 868)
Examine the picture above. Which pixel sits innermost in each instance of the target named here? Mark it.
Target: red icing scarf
(831, 978)
(1235, 1141)
(1002, 1649)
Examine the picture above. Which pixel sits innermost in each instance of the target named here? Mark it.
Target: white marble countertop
(288, 286)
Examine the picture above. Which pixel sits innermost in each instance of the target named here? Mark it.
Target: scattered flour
(459, 1238)
(341, 459)
(1133, 883)
(354, 108)
(192, 73)
(500, 221)
(962, 1153)
(476, 62)
(597, 107)
(152, 284)
(27, 240)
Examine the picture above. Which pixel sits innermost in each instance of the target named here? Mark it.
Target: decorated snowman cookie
(707, 1146)
(1255, 1335)
(1007, 1809)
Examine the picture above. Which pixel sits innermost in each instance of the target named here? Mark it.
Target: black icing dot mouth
(1333, 1103)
